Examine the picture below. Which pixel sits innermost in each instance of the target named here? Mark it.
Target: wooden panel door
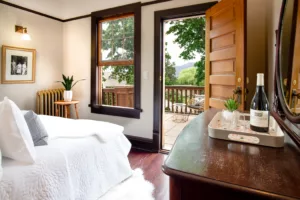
(225, 52)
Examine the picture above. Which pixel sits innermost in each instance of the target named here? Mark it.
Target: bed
(83, 160)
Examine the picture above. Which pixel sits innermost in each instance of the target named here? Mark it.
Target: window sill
(116, 111)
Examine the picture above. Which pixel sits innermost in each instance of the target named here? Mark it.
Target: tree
(191, 38)
(200, 72)
(121, 73)
(118, 40)
(170, 71)
(186, 76)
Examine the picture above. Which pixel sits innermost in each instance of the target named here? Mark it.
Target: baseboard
(142, 144)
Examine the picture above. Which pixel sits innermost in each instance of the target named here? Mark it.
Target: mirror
(287, 74)
(289, 63)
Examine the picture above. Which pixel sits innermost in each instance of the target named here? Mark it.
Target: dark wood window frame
(134, 9)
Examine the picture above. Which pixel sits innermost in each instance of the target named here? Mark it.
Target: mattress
(70, 168)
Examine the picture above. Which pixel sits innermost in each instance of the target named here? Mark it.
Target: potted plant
(231, 106)
(68, 85)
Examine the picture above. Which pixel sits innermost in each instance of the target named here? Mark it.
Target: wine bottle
(259, 109)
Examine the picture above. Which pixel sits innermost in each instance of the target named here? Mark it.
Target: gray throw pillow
(36, 127)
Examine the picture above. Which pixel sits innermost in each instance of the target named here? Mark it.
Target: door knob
(237, 93)
(295, 82)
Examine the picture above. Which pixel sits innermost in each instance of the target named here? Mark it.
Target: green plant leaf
(68, 81)
(231, 104)
(65, 86)
(64, 78)
(77, 82)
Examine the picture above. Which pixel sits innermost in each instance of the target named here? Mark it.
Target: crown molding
(76, 18)
(154, 2)
(70, 19)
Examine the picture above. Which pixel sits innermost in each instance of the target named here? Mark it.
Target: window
(115, 74)
(116, 61)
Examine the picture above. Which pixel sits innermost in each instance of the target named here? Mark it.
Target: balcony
(181, 94)
(178, 94)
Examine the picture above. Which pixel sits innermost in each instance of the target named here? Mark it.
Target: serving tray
(242, 133)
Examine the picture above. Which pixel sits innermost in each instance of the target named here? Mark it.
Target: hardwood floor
(151, 164)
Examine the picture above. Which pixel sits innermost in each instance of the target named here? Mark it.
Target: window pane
(118, 30)
(118, 49)
(129, 25)
(128, 49)
(106, 54)
(118, 86)
(117, 39)
(106, 33)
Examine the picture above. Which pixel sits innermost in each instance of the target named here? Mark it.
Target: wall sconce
(23, 30)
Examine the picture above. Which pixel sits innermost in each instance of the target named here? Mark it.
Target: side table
(66, 106)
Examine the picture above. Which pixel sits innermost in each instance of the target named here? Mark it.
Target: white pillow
(15, 138)
(24, 112)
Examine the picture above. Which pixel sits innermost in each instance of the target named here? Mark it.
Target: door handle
(237, 93)
(295, 94)
(246, 93)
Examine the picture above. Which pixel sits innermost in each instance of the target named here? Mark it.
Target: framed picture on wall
(18, 65)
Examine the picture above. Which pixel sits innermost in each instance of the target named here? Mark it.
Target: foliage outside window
(190, 36)
(116, 61)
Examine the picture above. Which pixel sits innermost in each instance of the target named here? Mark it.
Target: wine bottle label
(259, 118)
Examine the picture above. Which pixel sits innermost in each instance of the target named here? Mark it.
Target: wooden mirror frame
(281, 112)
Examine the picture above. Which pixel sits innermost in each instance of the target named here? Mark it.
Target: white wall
(77, 45)
(46, 37)
(256, 43)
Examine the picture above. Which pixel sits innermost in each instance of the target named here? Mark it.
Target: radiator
(45, 102)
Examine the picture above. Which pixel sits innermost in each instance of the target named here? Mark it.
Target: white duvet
(84, 159)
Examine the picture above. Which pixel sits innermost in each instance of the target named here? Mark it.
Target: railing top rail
(108, 89)
(185, 86)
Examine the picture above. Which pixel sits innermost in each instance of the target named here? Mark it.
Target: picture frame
(18, 65)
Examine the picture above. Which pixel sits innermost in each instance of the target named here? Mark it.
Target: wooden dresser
(204, 168)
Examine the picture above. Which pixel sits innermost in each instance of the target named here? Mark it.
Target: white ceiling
(65, 9)
(50, 7)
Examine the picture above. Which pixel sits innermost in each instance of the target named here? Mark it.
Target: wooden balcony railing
(123, 96)
(118, 96)
(181, 94)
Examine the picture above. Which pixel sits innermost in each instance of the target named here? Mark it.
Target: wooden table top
(62, 102)
(270, 172)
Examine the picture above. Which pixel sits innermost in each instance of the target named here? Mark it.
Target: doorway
(184, 75)
(173, 97)
(225, 45)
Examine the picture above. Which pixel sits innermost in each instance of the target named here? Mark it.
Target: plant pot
(227, 115)
(68, 94)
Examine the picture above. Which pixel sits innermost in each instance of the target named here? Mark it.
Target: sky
(174, 49)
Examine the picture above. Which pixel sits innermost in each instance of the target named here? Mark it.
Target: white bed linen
(58, 127)
(82, 168)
